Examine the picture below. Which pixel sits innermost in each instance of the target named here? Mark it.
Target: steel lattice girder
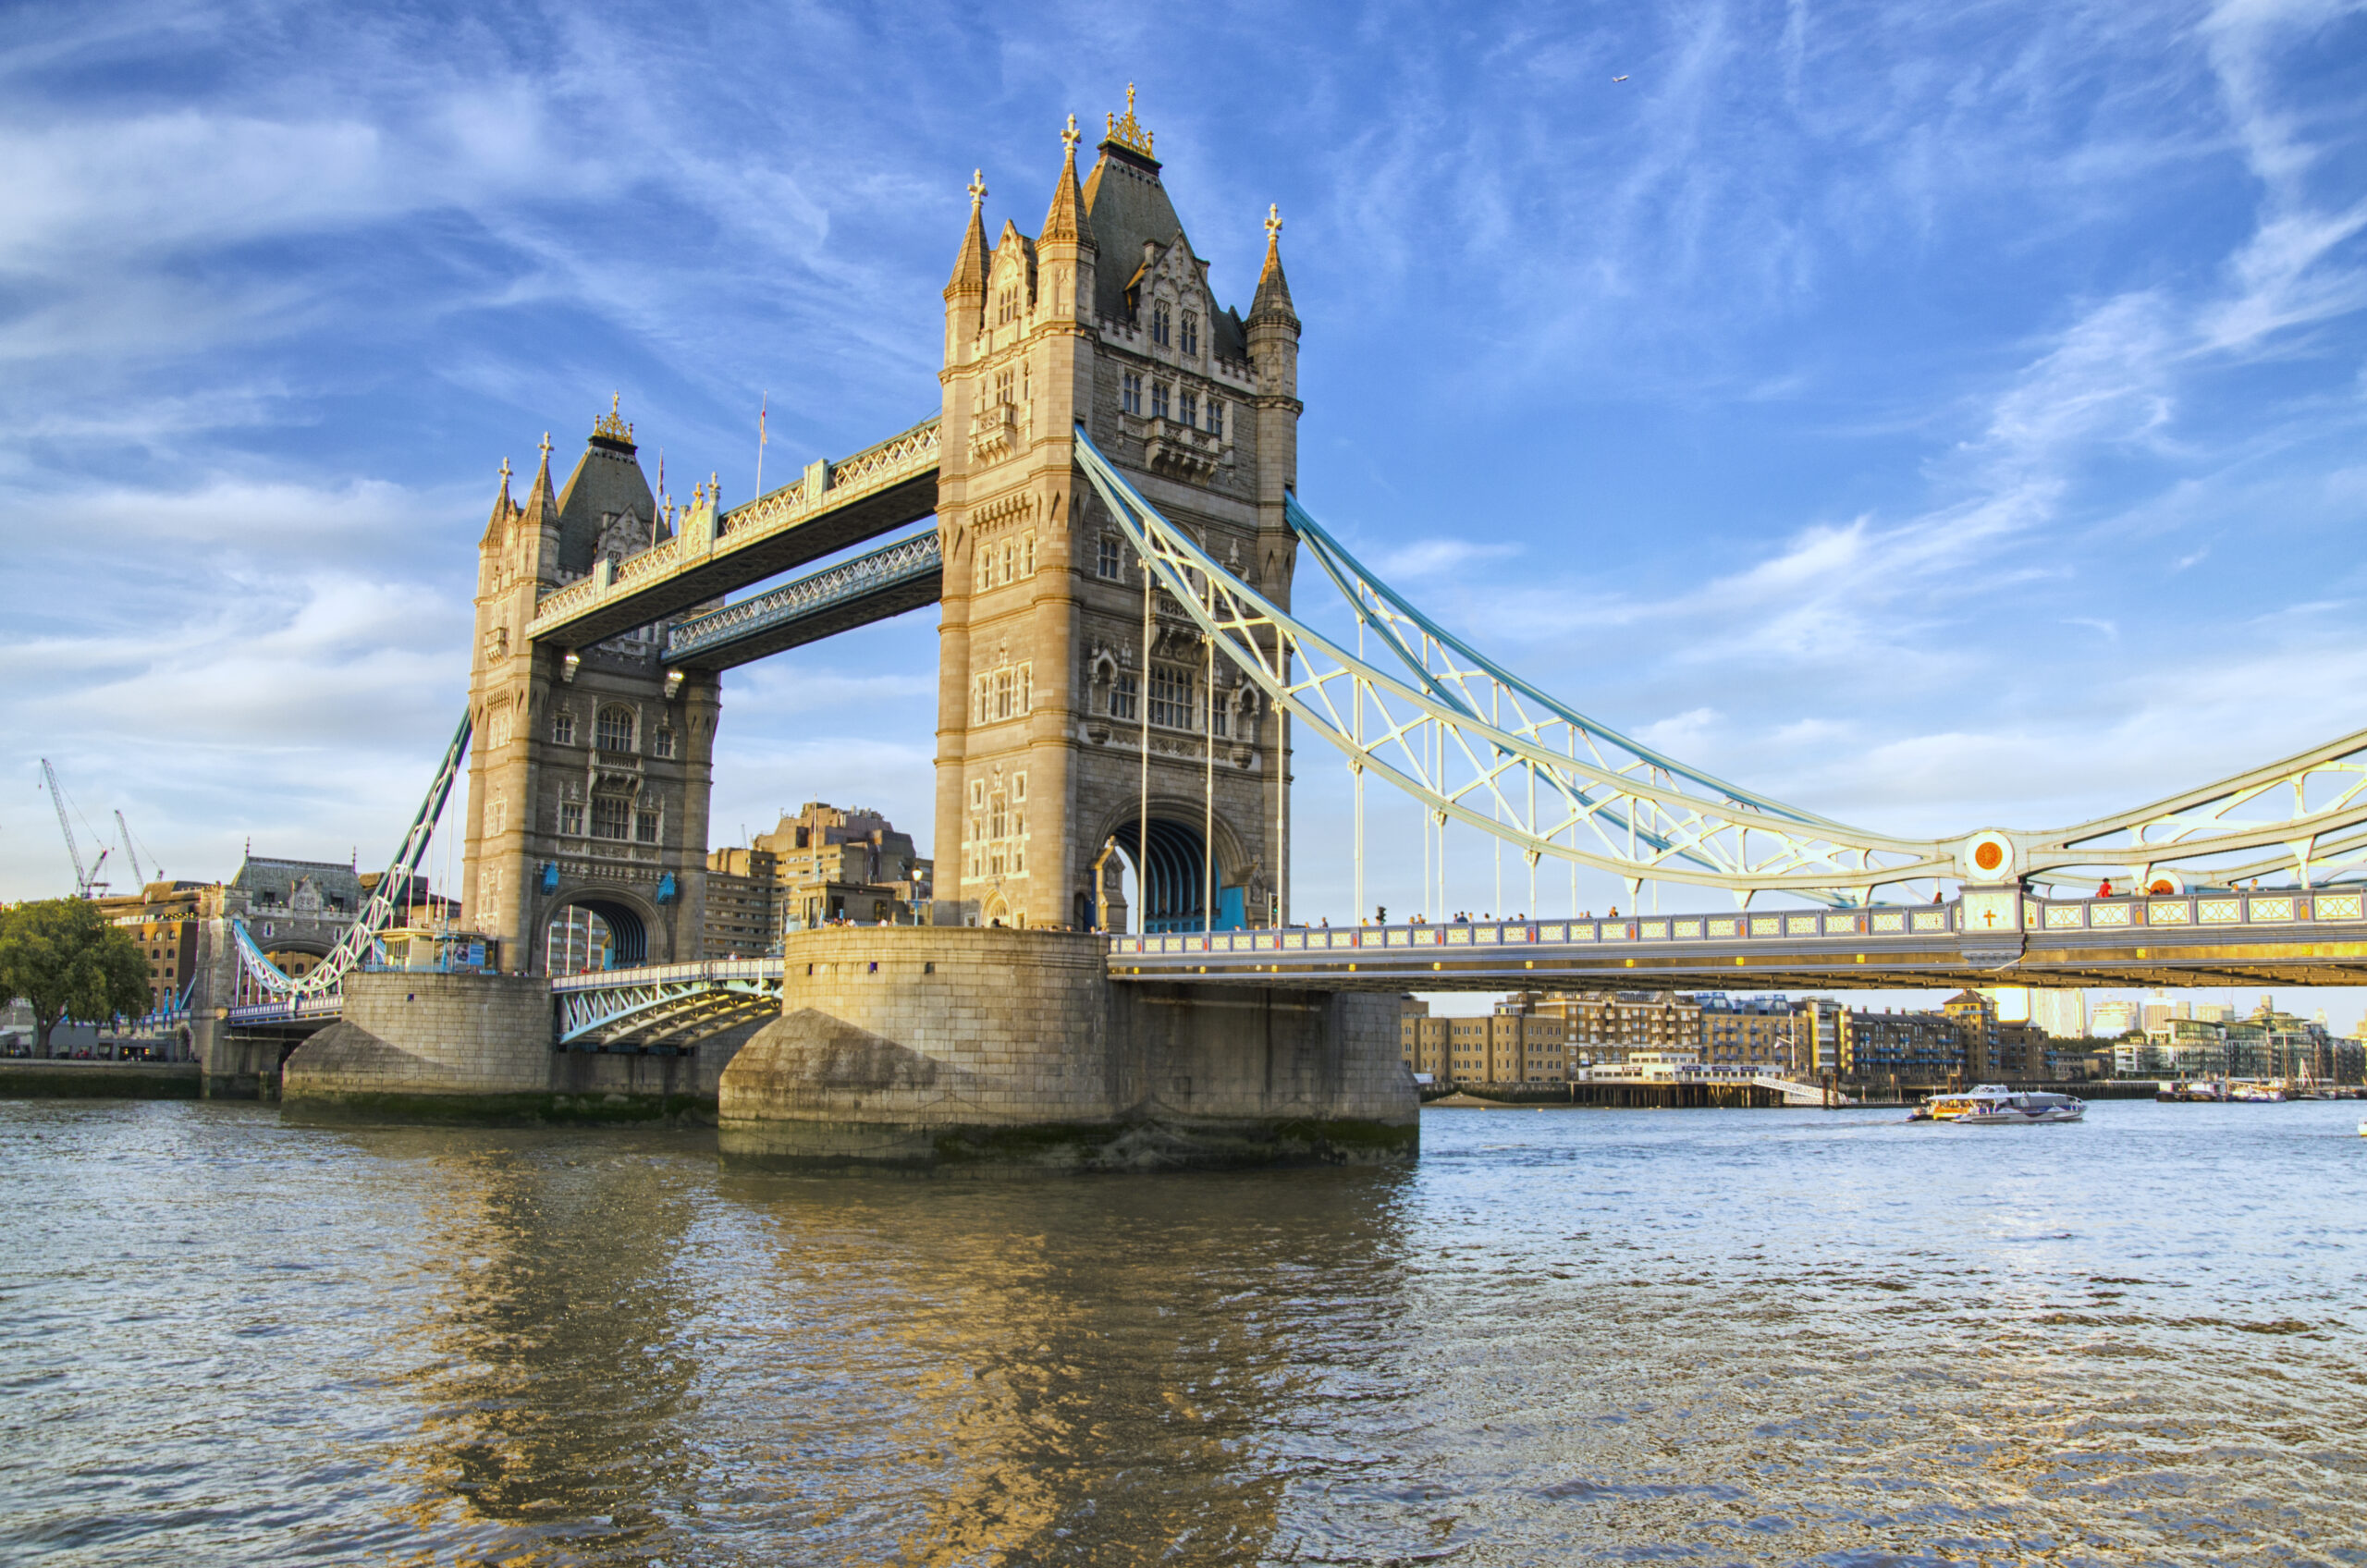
(633, 1009)
(886, 582)
(1602, 801)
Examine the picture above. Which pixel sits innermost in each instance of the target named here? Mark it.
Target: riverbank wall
(24, 1079)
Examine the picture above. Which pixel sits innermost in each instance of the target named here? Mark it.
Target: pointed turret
(1273, 299)
(970, 267)
(496, 527)
(1063, 221)
(538, 520)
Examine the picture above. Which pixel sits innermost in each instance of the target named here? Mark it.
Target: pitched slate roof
(607, 481)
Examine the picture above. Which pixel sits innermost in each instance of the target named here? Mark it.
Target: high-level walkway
(833, 506)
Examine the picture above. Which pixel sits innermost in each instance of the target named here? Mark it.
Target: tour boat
(1994, 1105)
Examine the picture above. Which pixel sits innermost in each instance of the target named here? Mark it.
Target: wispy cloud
(1825, 401)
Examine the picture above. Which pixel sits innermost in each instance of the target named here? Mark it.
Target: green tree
(65, 959)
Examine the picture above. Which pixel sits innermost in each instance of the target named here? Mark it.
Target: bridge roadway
(2283, 938)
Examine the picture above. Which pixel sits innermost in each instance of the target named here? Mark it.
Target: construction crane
(134, 855)
(86, 883)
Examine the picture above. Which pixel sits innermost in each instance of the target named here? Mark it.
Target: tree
(66, 961)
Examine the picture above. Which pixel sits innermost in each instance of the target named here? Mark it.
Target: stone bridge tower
(590, 767)
(1052, 704)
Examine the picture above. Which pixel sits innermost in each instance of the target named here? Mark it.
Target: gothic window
(1191, 332)
(664, 746)
(1026, 698)
(1171, 697)
(1216, 417)
(1216, 718)
(1007, 307)
(496, 726)
(1004, 683)
(1002, 386)
(1130, 393)
(1158, 326)
(1009, 554)
(1019, 793)
(1188, 408)
(1027, 555)
(1106, 561)
(977, 801)
(611, 816)
(981, 699)
(1123, 693)
(644, 828)
(615, 731)
(570, 818)
(563, 729)
(998, 815)
(1159, 399)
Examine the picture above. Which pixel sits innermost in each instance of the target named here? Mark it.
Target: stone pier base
(981, 1050)
(477, 1049)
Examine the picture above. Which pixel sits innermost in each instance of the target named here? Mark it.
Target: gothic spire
(542, 507)
(1063, 221)
(1273, 301)
(504, 509)
(970, 267)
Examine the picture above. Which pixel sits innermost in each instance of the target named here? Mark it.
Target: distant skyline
(1939, 419)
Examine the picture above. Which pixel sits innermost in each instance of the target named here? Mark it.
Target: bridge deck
(2226, 939)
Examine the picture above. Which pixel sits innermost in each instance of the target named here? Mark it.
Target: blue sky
(1937, 416)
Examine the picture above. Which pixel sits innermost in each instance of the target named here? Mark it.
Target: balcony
(1181, 451)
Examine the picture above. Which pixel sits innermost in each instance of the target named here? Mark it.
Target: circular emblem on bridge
(1988, 857)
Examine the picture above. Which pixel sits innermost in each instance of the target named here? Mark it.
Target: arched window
(1191, 332)
(611, 816)
(615, 732)
(1158, 326)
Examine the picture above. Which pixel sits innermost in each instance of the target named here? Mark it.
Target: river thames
(1693, 1337)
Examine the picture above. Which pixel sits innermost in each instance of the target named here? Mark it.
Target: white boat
(1994, 1105)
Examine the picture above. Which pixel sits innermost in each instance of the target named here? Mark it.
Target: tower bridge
(1113, 536)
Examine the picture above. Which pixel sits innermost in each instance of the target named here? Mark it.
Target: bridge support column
(981, 1050)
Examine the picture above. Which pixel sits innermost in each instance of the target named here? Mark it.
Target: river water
(1692, 1337)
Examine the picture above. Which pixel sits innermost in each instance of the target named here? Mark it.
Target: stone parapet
(994, 1047)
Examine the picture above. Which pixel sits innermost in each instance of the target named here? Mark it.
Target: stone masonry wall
(921, 1045)
(431, 1034)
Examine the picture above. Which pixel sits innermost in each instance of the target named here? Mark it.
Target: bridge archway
(1171, 874)
(595, 931)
